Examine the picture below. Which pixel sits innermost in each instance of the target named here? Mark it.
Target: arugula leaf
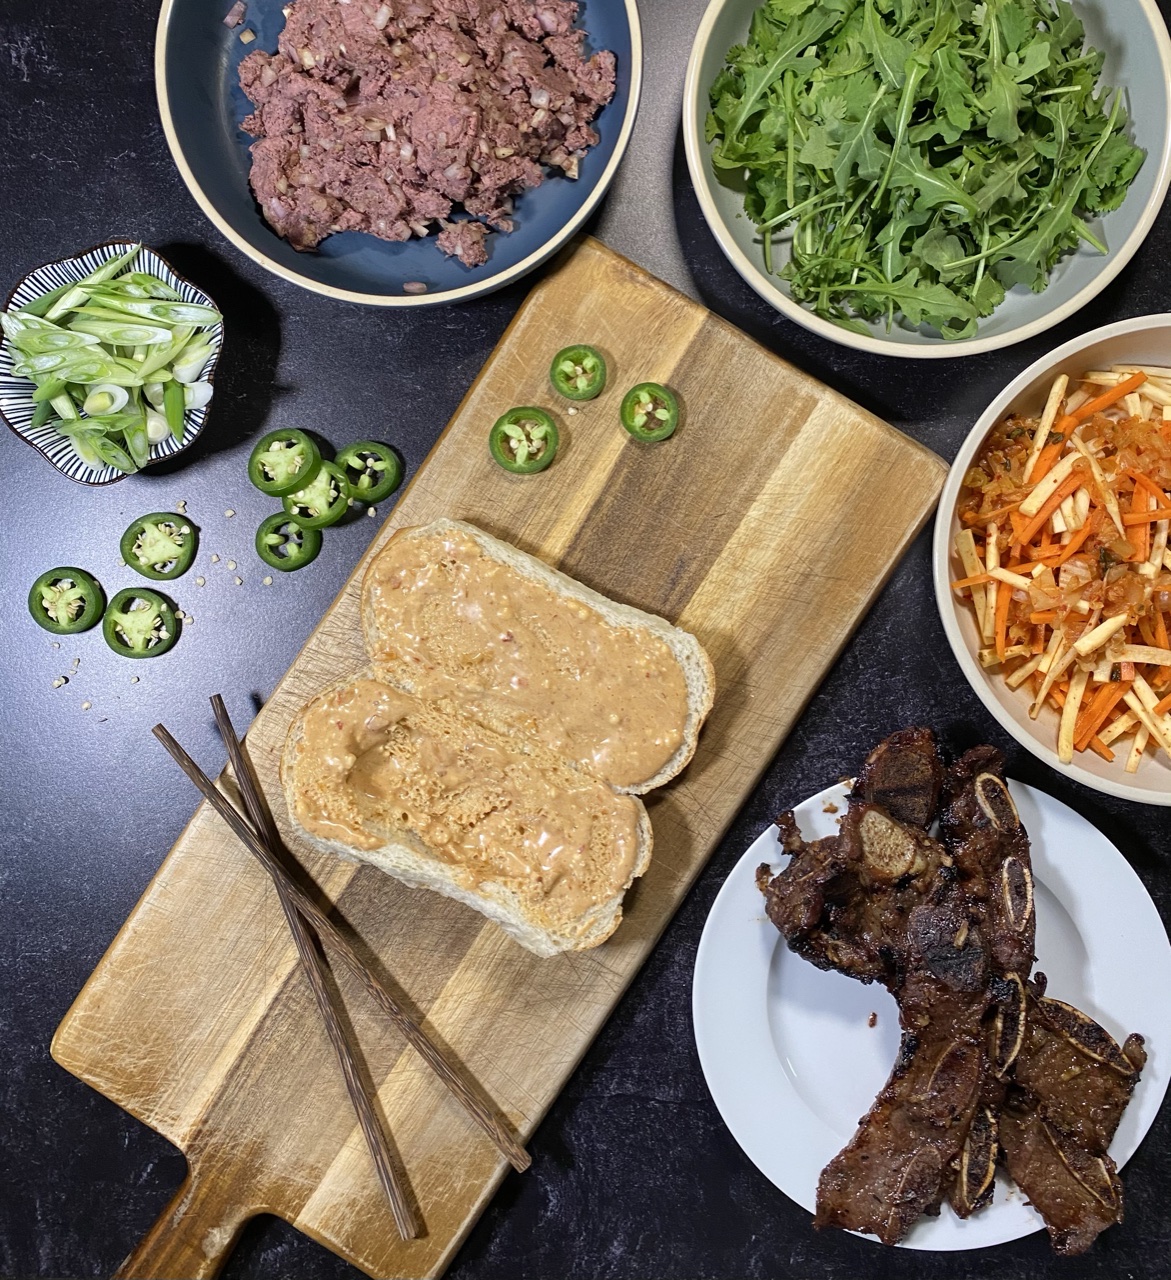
(923, 155)
(890, 54)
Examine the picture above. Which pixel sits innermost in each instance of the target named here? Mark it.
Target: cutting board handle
(191, 1238)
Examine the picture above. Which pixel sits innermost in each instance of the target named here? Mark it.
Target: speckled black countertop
(634, 1175)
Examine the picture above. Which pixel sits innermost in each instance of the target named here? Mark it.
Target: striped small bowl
(16, 404)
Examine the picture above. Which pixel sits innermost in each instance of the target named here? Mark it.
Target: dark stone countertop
(634, 1175)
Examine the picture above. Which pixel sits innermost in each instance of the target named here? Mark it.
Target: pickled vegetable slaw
(1063, 557)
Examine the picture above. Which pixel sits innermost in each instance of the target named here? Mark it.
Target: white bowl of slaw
(1144, 340)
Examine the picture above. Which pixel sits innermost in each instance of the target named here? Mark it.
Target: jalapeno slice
(373, 470)
(283, 462)
(139, 624)
(65, 601)
(160, 546)
(650, 411)
(285, 544)
(524, 440)
(323, 501)
(578, 372)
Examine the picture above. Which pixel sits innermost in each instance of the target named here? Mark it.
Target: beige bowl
(1146, 340)
(1134, 39)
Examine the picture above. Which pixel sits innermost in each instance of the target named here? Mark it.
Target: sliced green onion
(173, 408)
(122, 333)
(76, 296)
(104, 398)
(157, 429)
(196, 395)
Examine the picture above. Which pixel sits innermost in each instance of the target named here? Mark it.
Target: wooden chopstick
(313, 965)
(476, 1107)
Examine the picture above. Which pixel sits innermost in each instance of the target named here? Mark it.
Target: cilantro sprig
(925, 155)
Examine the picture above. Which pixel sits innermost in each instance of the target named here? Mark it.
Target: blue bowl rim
(474, 290)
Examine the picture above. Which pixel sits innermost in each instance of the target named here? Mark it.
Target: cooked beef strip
(982, 831)
(882, 901)
(904, 775)
(1071, 1084)
(385, 117)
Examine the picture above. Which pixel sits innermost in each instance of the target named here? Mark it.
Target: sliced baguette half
(402, 849)
(685, 650)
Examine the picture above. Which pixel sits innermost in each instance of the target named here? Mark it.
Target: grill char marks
(1071, 1084)
(904, 775)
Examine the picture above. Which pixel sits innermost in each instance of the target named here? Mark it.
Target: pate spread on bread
(495, 749)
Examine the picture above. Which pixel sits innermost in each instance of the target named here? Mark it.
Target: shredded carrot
(1093, 717)
(1147, 517)
(1072, 482)
(1163, 706)
(1075, 543)
(1051, 452)
(974, 581)
(1003, 600)
(1113, 499)
(976, 517)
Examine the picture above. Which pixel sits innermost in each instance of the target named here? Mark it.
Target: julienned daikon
(101, 352)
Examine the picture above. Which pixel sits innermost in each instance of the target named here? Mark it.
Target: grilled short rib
(882, 901)
(1070, 1086)
(982, 832)
(986, 1061)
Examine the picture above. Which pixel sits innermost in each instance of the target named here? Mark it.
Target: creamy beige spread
(471, 634)
(374, 765)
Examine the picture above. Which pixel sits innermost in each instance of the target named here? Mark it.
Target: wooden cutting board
(766, 526)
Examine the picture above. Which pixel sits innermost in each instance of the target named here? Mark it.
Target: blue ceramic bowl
(16, 402)
(202, 105)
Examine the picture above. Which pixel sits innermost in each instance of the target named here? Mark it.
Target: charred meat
(987, 1064)
(904, 775)
(1071, 1084)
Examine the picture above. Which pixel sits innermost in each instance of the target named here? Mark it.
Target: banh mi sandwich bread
(496, 747)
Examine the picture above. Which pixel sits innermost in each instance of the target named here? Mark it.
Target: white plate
(792, 1063)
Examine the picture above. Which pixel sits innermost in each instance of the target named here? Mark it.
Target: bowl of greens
(107, 360)
(929, 178)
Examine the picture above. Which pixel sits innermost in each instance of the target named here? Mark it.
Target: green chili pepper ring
(650, 411)
(160, 546)
(373, 470)
(144, 632)
(66, 601)
(283, 462)
(578, 372)
(323, 501)
(285, 544)
(524, 440)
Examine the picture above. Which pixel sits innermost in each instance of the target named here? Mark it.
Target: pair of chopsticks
(259, 835)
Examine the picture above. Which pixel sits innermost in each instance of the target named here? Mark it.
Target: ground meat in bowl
(387, 117)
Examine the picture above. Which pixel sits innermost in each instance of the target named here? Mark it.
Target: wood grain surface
(765, 525)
